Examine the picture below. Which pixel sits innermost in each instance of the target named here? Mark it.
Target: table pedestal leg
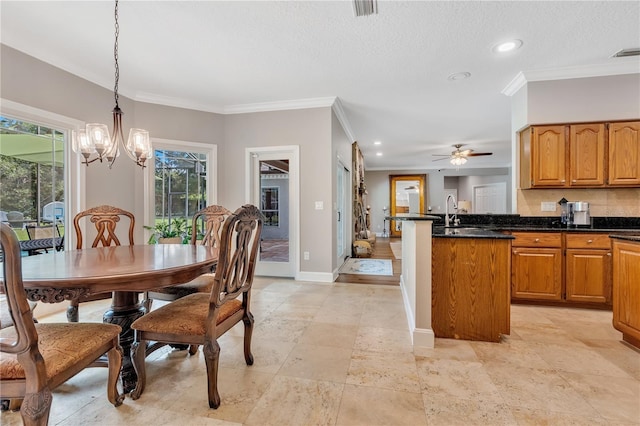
(125, 309)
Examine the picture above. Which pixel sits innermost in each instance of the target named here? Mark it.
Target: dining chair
(105, 218)
(200, 318)
(43, 238)
(206, 230)
(35, 358)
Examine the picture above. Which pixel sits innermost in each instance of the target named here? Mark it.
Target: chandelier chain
(115, 55)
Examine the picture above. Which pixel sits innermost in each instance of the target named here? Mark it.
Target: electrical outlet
(319, 205)
(548, 206)
(306, 255)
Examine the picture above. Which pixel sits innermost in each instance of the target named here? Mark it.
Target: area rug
(396, 248)
(367, 267)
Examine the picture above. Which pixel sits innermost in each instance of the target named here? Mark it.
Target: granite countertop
(462, 232)
(626, 237)
(412, 216)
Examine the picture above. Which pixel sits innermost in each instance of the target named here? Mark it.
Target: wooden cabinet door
(536, 273)
(548, 147)
(586, 153)
(626, 290)
(624, 154)
(588, 276)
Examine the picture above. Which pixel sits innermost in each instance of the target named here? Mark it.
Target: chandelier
(95, 138)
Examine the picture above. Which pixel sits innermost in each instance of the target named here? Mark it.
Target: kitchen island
(471, 275)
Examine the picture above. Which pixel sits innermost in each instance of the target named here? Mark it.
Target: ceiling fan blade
(478, 154)
(441, 155)
(464, 153)
(445, 158)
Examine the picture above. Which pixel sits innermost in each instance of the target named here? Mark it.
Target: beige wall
(577, 100)
(310, 129)
(28, 81)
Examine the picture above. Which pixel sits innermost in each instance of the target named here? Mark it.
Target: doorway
(343, 194)
(273, 187)
(407, 193)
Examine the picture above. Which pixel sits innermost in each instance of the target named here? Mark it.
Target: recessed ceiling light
(459, 76)
(379, 154)
(377, 143)
(507, 46)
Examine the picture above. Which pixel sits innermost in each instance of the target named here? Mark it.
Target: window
(31, 173)
(269, 206)
(180, 183)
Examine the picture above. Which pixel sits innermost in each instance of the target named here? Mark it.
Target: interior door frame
(393, 180)
(252, 195)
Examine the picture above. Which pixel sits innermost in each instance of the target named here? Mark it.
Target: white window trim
(211, 150)
(74, 174)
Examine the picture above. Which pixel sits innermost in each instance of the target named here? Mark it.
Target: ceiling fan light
(458, 161)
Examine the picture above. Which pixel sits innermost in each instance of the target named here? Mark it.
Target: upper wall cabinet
(624, 153)
(586, 154)
(580, 155)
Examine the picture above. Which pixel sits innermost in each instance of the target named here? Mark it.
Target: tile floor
(340, 354)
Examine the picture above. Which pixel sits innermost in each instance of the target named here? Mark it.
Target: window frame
(211, 150)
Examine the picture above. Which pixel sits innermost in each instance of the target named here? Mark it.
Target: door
(342, 194)
(490, 198)
(273, 177)
(624, 153)
(407, 195)
(586, 153)
(588, 275)
(536, 273)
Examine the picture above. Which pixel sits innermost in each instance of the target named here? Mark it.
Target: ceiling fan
(458, 157)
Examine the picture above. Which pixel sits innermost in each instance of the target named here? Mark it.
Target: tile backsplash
(624, 202)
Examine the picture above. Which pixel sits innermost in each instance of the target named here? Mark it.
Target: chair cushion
(59, 346)
(202, 284)
(187, 316)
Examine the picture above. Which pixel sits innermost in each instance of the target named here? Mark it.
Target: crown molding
(152, 98)
(280, 105)
(342, 118)
(599, 70)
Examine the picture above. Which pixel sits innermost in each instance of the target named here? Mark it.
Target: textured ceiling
(389, 70)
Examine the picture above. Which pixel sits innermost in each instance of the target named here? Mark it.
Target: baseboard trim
(323, 277)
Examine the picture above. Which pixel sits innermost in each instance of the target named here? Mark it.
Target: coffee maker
(581, 214)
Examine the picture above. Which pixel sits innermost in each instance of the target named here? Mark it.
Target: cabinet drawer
(594, 241)
(537, 239)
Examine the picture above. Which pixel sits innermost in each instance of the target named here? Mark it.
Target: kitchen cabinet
(588, 268)
(624, 154)
(536, 259)
(626, 289)
(542, 156)
(592, 155)
(586, 154)
(470, 288)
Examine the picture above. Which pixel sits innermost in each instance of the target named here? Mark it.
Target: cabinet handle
(537, 240)
(608, 254)
(589, 241)
(562, 181)
(574, 181)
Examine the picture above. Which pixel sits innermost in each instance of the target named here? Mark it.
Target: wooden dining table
(124, 270)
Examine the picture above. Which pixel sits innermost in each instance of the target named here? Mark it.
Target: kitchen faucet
(454, 217)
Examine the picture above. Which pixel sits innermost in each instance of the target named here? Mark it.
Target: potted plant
(165, 232)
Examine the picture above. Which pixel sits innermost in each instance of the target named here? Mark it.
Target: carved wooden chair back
(36, 358)
(200, 318)
(208, 222)
(105, 218)
(206, 228)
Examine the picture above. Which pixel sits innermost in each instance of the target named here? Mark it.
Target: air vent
(365, 7)
(627, 52)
